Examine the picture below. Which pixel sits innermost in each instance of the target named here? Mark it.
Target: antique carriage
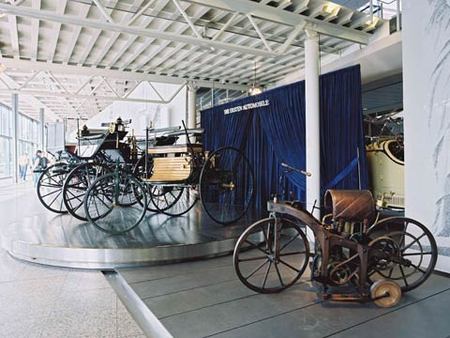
(61, 187)
(170, 178)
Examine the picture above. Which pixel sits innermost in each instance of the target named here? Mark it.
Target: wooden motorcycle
(356, 256)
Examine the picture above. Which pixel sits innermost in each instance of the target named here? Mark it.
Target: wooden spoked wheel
(226, 185)
(104, 207)
(173, 200)
(50, 187)
(77, 183)
(271, 255)
(403, 250)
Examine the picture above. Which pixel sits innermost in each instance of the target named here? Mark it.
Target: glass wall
(6, 160)
(28, 139)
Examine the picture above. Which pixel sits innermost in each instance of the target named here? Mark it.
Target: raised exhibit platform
(33, 234)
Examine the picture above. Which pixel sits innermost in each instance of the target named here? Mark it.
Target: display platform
(37, 235)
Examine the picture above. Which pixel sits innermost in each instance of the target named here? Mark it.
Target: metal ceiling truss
(100, 44)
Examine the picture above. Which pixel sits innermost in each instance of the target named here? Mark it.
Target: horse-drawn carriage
(113, 181)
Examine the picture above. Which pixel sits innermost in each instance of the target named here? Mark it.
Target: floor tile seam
(188, 289)
(320, 302)
(207, 285)
(265, 318)
(255, 294)
(207, 306)
(175, 275)
(387, 313)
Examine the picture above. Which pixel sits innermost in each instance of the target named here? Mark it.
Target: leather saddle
(351, 205)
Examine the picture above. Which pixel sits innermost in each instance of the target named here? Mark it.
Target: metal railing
(384, 9)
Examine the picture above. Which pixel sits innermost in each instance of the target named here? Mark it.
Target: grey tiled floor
(38, 301)
(205, 298)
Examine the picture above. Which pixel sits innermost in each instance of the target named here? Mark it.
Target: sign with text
(251, 105)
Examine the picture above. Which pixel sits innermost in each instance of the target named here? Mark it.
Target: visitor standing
(40, 163)
(24, 162)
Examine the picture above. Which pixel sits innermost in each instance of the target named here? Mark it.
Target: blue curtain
(274, 132)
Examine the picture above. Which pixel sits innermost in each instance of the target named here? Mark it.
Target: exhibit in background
(426, 71)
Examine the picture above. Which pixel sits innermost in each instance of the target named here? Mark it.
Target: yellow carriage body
(386, 172)
(173, 163)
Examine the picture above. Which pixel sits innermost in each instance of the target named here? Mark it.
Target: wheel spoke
(252, 259)
(279, 275)
(50, 193)
(289, 242)
(418, 268)
(414, 241)
(255, 246)
(257, 269)
(75, 197)
(266, 274)
(59, 193)
(416, 253)
(288, 265)
(403, 275)
(390, 272)
(292, 253)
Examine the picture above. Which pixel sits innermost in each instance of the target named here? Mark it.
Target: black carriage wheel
(226, 185)
(173, 200)
(50, 187)
(77, 183)
(139, 172)
(411, 252)
(258, 265)
(103, 208)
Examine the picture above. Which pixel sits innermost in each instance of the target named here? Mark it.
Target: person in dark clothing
(40, 163)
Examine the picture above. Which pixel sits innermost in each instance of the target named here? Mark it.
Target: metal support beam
(72, 98)
(258, 31)
(192, 111)
(15, 135)
(30, 66)
(312, 59)
(113, 27)
(103, 11)
(188, 20)
(42, 125)
(269, 13)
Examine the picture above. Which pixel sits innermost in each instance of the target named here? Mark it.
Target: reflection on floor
(28, 220)
(205, 298)
(37, 301)
(33, 233)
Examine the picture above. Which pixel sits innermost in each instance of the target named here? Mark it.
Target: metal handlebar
(289, 168)
(188, 131)
(164, 130)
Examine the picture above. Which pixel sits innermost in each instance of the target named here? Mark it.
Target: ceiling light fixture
(254, 89)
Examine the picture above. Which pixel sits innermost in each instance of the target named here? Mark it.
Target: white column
(15, 135)
(42, 125)
(312, 120)
(192, 111)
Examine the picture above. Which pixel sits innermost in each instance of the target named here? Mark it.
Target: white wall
(380, 59)
(141, 114)
(426, 76)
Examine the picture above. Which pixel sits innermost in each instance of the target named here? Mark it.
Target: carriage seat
(351, 205)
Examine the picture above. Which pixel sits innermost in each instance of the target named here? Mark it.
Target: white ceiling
(77, 56)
